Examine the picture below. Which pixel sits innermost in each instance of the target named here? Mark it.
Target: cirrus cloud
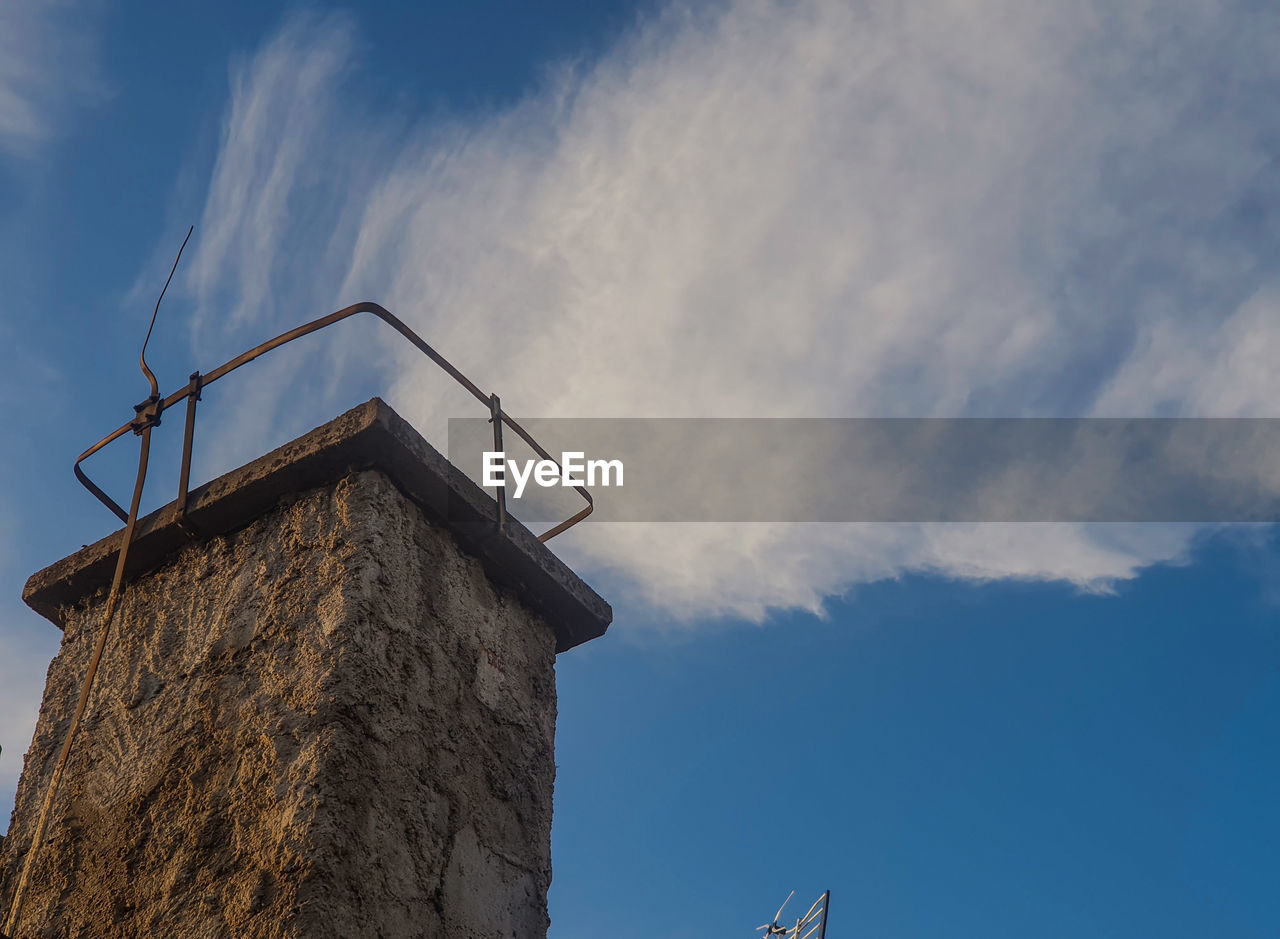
(47, 63)
(809, 208)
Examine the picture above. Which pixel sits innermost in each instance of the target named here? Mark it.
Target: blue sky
(811, 208)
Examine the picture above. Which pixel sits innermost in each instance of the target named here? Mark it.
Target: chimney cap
(370, 436)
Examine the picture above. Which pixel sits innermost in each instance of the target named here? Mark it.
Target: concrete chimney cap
(370, 436)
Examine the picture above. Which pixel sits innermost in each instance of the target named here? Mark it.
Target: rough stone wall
(327, 724)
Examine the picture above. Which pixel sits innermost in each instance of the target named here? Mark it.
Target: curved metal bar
(581, 490)
(305, 329)
(90, 484)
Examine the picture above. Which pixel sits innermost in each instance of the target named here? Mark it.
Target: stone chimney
(327, 708)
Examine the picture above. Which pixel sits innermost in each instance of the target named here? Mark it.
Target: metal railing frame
(149, 411)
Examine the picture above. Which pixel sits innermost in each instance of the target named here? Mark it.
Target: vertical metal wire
(86, 688)
(495, 411)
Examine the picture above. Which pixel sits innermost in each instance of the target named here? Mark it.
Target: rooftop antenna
(813, 925)
(146, 417)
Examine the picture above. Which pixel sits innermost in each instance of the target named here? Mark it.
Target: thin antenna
(142, 356)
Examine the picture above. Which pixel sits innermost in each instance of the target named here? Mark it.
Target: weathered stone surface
(329, 723)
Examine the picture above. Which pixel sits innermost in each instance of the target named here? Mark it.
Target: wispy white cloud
(47, 63)
(1223, 367)
(810, 208)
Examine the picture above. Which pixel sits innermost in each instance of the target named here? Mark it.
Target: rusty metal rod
(188, 436)
(142, 356)
(495, 410)
(86, 688)
(305, 329)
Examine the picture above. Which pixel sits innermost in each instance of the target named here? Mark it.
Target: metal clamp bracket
(148, 414)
